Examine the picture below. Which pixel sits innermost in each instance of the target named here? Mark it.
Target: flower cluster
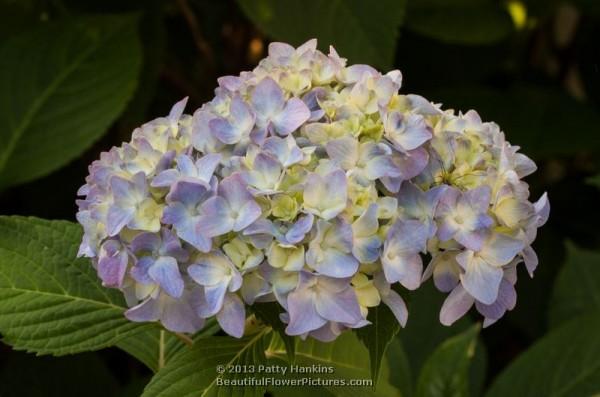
(318, 186)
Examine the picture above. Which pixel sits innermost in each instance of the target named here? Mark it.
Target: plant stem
(161, 349)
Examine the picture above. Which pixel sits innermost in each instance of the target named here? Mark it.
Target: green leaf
(61, 87)
(193, 372)
(446, 371)
(269, 313)
(400, 372)
(378, 335)
(423, 332)
(594, 180)
(156, 350)
(577, 287)
(566, 362)
(50, 301)
(347, 355)
(469, 22)
(362, 31)
(527, 125)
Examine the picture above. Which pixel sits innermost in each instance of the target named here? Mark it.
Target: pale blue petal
(293, 115)
(165, 272)
(235, 191)
(303, 313)
(179, 316)
(247, 214)
(366, 249)
(148, 310)
(456, 305)
(232, 316)
(397, 306)
(216, 217)
(208, 274)
(341, 307)
(267, 98)
(335, 264)
(481, 280)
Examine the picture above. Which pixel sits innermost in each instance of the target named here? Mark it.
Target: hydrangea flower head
(316, 185)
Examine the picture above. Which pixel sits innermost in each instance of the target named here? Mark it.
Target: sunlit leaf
(50, 301)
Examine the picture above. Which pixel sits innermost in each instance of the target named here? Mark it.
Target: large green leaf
(362, 31)
(462, 22)
(61, 87)
(378, 335)
(577, 287)
(155, 346)
(195, 372)
(347, 357)
(424, 334)
(564, 363)
(446, 371)
(400, 372)
(50, 301)
(268, 312)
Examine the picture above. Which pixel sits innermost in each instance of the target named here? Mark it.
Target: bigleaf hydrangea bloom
(315, 185)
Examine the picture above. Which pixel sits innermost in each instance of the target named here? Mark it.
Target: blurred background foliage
(76, 76)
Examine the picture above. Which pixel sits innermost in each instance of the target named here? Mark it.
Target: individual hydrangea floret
(315, 185)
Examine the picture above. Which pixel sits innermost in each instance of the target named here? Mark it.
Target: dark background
(538, 78)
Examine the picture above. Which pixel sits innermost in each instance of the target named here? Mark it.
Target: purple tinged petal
(478, 198)
(542, 210)
(341, 307)
(500, 249)
(480, 279)
(112, 263)
(117, 218)
(235, 191)
(145, 242)
(232, 316)
(507, 298)
(179, 316)
(326, 196)
(139, 272)
(216, 217)
(177, 110)
(343, 151)
(293, 115)
(224, 131)
(148, 310)
(187, 193)
(303, 313)
(298, 230)
(165, 272)
(530, 258)
(333, 263)
(366, 249)
(165, 178)
(208, 274)
(446, 271)
(186, 165)
(206, 166)
(249, 212)
(214, 296)
(397, 306)
(267, 98)
(456, 305)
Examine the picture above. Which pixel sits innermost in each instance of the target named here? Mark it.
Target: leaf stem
(161, 349)
(184, 338)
